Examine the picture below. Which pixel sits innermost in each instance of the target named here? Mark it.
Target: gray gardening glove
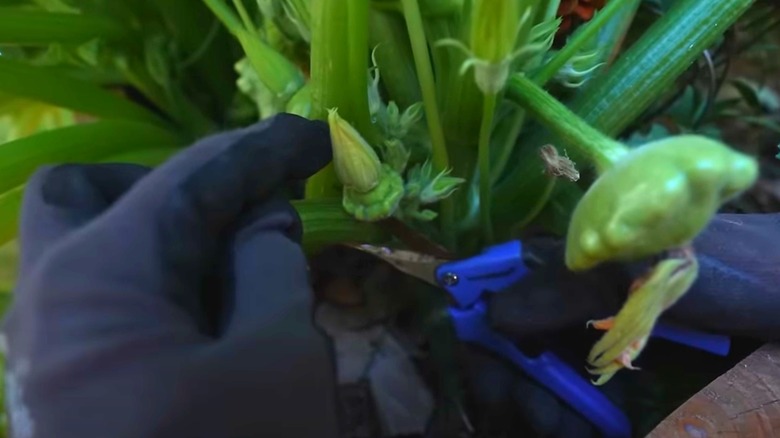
(171, 302)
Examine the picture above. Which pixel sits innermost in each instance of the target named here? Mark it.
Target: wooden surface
(742, 403)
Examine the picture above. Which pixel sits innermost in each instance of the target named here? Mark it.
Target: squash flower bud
(494, 29)
(372, 190)
(501, 32)
(357, 164)
(657, 197)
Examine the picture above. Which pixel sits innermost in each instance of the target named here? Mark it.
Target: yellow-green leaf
(79, 143)
(30, 27)
(40, 83)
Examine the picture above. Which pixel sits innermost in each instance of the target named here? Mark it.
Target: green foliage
(34, 27)
(88, 142)
(50, 86)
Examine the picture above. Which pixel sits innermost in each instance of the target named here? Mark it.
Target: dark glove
(172, 302)
(735, 294)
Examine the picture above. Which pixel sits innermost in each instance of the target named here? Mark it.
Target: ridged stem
(326, 223)
(654, 62)
(339, 76)
(589, 143)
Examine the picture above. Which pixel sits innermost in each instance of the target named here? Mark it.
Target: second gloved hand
(735, 294)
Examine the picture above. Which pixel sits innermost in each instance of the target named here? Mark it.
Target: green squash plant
(467, 120)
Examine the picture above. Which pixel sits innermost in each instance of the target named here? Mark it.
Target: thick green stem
(326, 223)
(584, 35)
(422, 61)
(612, 35)
(654, 62)
(339, 76)
(485, 177)
(586, 141)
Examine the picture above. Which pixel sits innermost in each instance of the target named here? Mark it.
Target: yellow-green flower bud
(494, 29)
(501, 31)
(657, 197)
(356, 164)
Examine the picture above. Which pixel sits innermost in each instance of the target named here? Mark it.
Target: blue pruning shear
(492, 271)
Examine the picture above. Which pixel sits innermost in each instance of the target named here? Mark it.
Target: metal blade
(415, 240)
(422, 266)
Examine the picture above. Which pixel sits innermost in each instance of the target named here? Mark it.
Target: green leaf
(30, 27)
(10, 204)
(763, 122)
(80, 143)
(42, 84)
(748, 91)
(656, 131)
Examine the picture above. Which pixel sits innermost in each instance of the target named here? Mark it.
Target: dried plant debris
(558, 165)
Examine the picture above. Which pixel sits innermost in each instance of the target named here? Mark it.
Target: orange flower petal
(585, 12)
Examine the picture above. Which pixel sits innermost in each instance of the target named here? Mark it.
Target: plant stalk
(654, 62)
(326, 223)
(587, 142)
(508, 145)
(485, 177)
(339, 76)
(414, 25)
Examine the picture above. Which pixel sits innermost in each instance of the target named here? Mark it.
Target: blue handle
(715, 344)
(471, 326)
(497, 268)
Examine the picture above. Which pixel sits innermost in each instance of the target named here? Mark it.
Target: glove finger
(736, 291)
(162, 240)
(60, 199)
(551, 297)
(268, 330)
(268, 277)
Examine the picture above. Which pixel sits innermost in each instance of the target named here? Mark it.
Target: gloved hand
(171, 302)
(735, 294)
